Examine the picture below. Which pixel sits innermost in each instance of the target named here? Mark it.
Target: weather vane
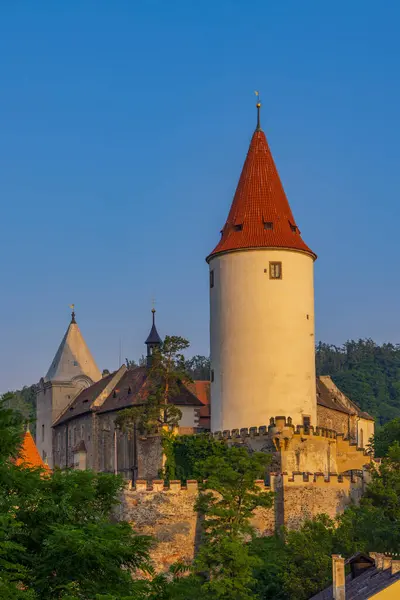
(72, 307)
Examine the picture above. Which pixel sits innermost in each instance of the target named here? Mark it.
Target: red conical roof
(260, 215)
(29, 454)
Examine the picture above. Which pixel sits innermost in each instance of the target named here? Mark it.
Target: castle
(263, 391)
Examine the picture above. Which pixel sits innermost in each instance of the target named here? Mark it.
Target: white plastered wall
(262, 338)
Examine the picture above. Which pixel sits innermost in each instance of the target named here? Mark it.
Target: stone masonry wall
(168, 515)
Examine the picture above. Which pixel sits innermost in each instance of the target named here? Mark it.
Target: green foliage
(366, 372)
(24, 402)
(229, 493)
(58, 538)
(199, 367)
(228, 497)
(164, 380)
(185, 454)
(385, 437)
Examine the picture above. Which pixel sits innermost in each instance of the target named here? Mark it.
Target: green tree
(58, 537)
(385, 437)
(199, 367)
(164, 382)
(228, 498)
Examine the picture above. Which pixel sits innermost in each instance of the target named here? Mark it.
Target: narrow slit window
(275, 270)
(212, 278)
(212, 374)
(238, 227)
(268, 225)
(42, 433)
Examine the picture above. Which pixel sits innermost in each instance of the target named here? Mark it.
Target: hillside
(366, 372)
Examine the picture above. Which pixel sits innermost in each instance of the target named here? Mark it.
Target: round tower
(261, 304)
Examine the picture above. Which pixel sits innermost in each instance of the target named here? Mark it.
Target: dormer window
(293, 227)
(238, 227)
(268, 225)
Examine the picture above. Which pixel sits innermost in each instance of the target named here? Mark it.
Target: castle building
(77, 408)
(263, 392)
(72, 369)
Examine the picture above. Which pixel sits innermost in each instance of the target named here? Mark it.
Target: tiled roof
(82, 403)
(338, 401)
(29, 454)
(130, 390)
(202, 390)
(364, 586)
(260, 215)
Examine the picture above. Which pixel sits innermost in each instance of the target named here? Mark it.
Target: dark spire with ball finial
(153, 339)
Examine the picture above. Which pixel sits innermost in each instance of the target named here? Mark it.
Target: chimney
(338, 585)
(395, 566)
(387, 562)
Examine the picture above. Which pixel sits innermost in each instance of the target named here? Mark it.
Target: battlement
(276, 480)
(277, 425)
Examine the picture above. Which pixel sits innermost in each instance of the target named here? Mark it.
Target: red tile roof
(260, 215)
(201, 389)
(29, 454)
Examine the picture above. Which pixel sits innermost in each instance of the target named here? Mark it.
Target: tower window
(268, 225)
(212, 278)
(238, 227)
(42, 433)
(306, 423)
(212, 374)
(275, 270)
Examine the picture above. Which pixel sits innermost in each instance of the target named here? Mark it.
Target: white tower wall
(262, 338)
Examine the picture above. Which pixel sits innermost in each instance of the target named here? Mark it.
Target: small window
(275, 270)
(268, 225)
(42, 433)
(293, 227)
(212, 278)
(74, 436)
(306, 423)
(238, 227)
(212, 374)
(75, 363)
(82, 432)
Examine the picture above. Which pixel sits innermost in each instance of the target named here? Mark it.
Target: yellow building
(374, 576)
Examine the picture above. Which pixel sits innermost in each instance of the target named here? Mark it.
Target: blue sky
(123, 129)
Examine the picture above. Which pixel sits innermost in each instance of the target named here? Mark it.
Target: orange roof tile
(201, 388)
(260, 215)
(29, 454)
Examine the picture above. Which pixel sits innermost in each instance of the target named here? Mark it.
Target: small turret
(153, 339)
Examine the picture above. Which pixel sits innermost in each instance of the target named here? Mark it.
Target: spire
(73, 357)
(72, 306)
(153, 339)
(260, 215)
(258, 128)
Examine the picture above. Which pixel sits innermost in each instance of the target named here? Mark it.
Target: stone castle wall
(168, 515)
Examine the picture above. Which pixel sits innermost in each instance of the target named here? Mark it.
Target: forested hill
(367, 373)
